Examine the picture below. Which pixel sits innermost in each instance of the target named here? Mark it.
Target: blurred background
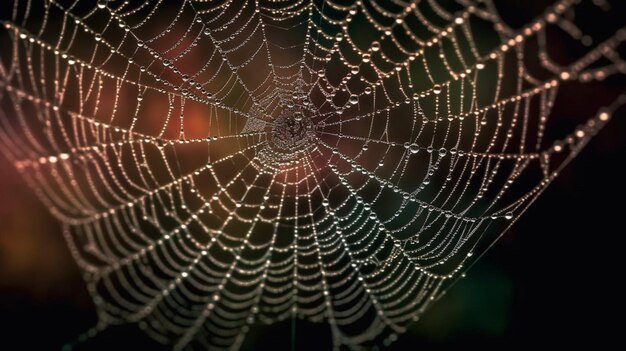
(551, 279)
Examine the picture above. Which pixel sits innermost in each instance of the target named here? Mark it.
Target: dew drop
(354, 99)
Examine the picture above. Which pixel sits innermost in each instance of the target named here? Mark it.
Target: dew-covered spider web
(222, 164)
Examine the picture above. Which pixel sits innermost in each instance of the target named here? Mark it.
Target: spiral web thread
(218, 164)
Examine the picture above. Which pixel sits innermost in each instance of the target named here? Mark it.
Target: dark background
(552, 280)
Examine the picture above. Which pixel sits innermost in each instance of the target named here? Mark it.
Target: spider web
(218, 164)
